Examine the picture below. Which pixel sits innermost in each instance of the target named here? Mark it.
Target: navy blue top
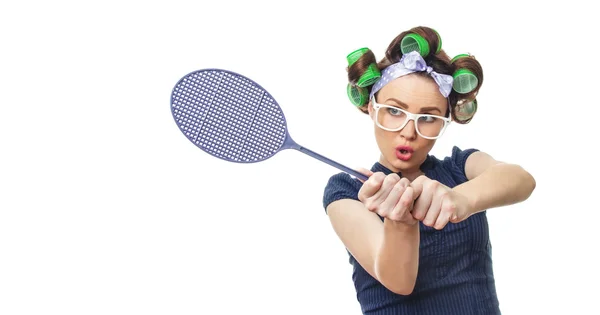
(455, 273)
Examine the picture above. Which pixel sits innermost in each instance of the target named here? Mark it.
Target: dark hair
(439, 61)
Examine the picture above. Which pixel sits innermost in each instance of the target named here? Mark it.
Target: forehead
(415, 90)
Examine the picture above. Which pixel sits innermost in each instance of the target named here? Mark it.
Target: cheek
(382, 139)
(425, 144)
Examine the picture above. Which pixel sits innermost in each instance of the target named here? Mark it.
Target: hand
(389, 196)
(437, 204)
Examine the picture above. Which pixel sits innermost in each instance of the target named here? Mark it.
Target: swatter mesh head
(228, 116)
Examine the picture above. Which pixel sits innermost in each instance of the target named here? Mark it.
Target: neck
(413, 175)
(410, 174)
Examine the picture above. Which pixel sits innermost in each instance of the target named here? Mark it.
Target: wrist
(473, 204)
(470, 200)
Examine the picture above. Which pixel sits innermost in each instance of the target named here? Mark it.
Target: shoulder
(458, 158)
(340, 186)
(456, 163)
(477, 163)
(467, 164)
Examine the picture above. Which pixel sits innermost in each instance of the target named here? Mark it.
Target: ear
(370, 108)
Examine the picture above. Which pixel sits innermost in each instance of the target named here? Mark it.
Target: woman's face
(405, 150)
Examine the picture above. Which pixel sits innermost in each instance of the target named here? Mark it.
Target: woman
(416, 230)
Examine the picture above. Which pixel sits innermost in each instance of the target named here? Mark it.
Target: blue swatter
(233, 118)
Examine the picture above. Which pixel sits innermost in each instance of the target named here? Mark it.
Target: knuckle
(370, 205)
(361, 195)
(371, 187)
(451, 207)
(378, 177)
(399, 186)
(433, 184)
(373, 181)
(404, 182)
(392, 179)
(370, 183)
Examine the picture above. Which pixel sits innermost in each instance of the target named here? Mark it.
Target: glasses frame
(409, 116)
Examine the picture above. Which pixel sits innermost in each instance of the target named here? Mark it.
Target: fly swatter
(233, 118)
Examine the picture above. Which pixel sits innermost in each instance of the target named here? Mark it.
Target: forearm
(397, 260)
(500, 185)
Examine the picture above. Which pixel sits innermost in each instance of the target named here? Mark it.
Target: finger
(404, 181)
(448, 210)
(388, 183)
(363, 171)
(371, 186)
(404, 205)
(417, 185)
(387, 206)
(434, 209)
(423, 203)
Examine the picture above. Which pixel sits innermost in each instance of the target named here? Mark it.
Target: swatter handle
(332, 163)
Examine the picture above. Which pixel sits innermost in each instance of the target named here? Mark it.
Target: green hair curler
(439, 47)
(357, 95)
(458, 57)
(466, 110)
(465, 81)
(416, 42)
(371, 75)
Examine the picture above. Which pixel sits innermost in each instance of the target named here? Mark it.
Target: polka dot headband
(410, 63)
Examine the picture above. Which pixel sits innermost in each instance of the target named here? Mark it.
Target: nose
(409, 131)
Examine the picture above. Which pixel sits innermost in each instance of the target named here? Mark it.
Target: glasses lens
(395, 118)
(391, 117)
(430, 126)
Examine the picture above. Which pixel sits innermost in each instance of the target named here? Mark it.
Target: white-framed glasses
(392, 118)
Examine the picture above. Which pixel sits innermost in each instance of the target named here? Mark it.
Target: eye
(427, 119)
(394, 111)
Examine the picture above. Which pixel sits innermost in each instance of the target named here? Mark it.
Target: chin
(403, 165)
(398, 165)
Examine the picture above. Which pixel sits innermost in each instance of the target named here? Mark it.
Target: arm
(494, 184)
(388, 250)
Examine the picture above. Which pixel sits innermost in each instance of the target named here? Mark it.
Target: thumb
(364, 171)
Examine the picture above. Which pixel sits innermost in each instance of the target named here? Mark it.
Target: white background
(106, 208)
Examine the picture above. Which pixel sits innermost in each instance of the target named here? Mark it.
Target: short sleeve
(456, 163)
(340, 186)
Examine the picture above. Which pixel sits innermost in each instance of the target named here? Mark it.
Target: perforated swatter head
(228, 116)
(233, 118)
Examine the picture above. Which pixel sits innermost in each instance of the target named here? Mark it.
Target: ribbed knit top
(455, 273)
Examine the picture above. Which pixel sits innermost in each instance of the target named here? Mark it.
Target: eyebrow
(424, 109)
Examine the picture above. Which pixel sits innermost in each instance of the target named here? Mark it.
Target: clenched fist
(437, 204)
(389, 196)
